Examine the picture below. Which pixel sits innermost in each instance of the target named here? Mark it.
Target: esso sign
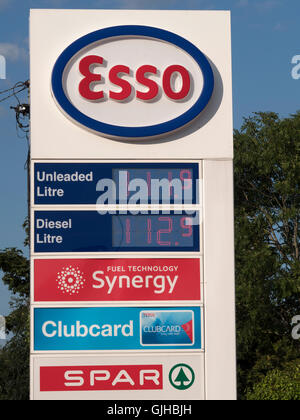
(132, 82)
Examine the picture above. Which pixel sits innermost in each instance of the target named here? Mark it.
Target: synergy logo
(70, 281)
(103, 82)
(101, 378)
(167, 328)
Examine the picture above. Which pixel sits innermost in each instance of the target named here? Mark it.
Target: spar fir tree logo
(70, 280)
(182, 377)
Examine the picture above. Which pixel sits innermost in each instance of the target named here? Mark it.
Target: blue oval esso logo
(132, 82)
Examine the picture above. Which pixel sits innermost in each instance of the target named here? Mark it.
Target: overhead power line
(22, 110)
(14, 91)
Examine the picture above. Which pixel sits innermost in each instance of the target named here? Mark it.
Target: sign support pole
(220, 334)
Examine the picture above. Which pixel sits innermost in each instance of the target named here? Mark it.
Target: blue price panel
(88, 231)
(88, 329)
(115, 183)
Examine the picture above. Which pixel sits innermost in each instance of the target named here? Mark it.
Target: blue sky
(265, 37)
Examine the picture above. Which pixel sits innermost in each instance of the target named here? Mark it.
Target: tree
(267, 222)
(279, 385)
(14, 357)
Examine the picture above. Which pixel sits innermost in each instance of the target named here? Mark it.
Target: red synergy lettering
(87, 64)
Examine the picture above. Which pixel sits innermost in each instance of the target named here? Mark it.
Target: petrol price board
(66, 183)
(132, 268)
(75, 231)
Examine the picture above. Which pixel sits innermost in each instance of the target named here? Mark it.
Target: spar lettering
(142, 77)
(101, 378)
(95, 379)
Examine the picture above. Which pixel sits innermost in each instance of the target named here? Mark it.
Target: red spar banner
(101, 378)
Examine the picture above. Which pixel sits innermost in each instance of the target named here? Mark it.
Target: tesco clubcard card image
(167, 328)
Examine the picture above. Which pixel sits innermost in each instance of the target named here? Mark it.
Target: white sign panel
(121, 83)
(154, 377)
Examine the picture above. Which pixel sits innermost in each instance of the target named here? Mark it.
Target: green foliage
(16, 271)
(14, 357)
(267, 222)
(278, 385)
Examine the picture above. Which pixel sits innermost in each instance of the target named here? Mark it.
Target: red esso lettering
(85, 84)
(117, 80)
(186, 82)
(142, 77)
(150, 84)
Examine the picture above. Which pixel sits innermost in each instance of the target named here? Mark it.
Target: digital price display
(156, 185)
(66, 183)
(88, 231)
(153, 232)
